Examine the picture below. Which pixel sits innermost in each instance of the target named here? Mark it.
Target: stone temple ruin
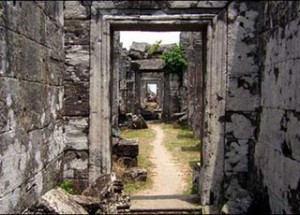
(58, 103)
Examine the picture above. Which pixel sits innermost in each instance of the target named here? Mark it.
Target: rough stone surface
(192, 93)
(276, 158)
(251, 96)
(126, 148)
(57, 201)
(76, 95)
(151, 64)
(136, 121)
(31, 99)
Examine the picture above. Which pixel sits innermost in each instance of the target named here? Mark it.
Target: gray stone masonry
(31, 100)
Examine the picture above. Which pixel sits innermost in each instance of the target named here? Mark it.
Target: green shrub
(175, 60)
(67, 186)
(153, 48)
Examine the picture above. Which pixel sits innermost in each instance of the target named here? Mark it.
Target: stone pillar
(100, 125)
(115, 88)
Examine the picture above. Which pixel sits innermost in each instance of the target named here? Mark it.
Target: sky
(127, 37)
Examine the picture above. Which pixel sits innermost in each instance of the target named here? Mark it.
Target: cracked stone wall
(277, 154)
(31, 94)
(212, 155)
(242, 97)
(76, 98)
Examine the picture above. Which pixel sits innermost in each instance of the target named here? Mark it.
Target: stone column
(100, 125)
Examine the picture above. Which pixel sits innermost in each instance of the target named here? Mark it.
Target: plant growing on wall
(175, 60)
(153, 48)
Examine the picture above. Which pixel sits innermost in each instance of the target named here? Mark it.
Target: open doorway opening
(148, 88)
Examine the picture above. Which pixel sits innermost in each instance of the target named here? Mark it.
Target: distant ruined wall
(31, 94)
(277, 151)
(76, 98)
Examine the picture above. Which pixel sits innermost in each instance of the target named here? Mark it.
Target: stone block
(56, 201)
(139, 47)
(279, 84)
(151, 64)
(241, 126)
(100, 187)
(126, 148)
(77, 63)
(76, 100)
(54, 39)
(76, 133)
(236, 156)
(242, 42)
(243, 93)
(272, 127)
(14, 18)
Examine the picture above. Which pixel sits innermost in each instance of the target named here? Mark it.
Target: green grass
(67, 186)
(185, 148)
(145, 137)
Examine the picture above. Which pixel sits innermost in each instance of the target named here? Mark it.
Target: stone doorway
(133, 17)
(102, 74)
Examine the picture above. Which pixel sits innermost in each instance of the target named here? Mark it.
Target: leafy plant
(67, 186)
(175, 60)
(153, 48)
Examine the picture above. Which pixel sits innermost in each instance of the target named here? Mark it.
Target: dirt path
(168, 182)
(168, 178)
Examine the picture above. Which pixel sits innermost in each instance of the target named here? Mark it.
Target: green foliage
(67, 186)
(153, 48)
(175, 61)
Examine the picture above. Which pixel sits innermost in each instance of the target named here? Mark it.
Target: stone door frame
(102, 28)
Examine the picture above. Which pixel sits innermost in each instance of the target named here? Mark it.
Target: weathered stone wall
(277, 153)
(242, 97)
(31, 94)
(212, 155)
(76, 78)
(192, 85)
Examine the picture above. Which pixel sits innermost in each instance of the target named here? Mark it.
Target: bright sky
(127, 37)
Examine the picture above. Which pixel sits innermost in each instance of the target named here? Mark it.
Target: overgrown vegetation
(185, 148)
(153, 48)
(175, 60)
(67, 186)
(145, 137)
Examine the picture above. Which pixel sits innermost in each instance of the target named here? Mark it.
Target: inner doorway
(149, 89)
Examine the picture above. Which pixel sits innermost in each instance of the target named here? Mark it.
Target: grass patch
(67, 186)
(185, 148)
(145, 137)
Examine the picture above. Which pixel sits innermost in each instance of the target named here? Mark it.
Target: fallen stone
(136, 121)
(56, 201)
(237, 206)
(140, 47)
(126, 148)
(136, 174)
(100, 187)
(90, 204)
(138, 50)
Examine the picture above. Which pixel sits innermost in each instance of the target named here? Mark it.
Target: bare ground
(168, 182)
